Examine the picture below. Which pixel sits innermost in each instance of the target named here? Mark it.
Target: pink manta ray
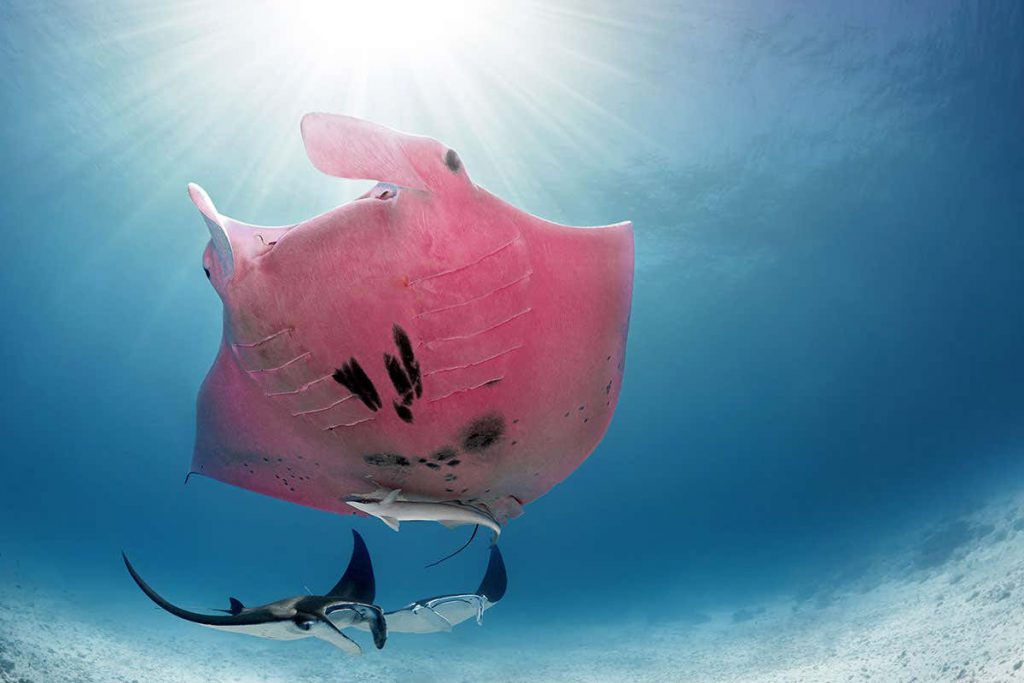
(427, 337)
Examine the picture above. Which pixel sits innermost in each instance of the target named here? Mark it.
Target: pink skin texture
(427, 337)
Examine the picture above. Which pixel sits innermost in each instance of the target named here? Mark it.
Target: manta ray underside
(349, 603)
(426, 336)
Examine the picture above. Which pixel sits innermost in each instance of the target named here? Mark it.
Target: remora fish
(392, 509)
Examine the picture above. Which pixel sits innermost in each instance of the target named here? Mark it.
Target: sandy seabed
(949, 608)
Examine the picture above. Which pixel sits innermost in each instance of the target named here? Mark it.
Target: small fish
(393, 509)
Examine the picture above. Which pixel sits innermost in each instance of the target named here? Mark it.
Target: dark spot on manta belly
(433, 466)
(445, 454)
(386, 460)
(453, 463)
(396, 373)
(483, 433)
(352, 376)
(404, 373)
(403, 412)
(409, 362)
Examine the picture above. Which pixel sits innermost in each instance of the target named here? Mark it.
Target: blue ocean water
(825, 346)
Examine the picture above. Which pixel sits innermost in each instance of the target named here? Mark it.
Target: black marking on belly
(352, 376)
(483, 433)
(404, 373)
(445, 454)
(403, 412)
(433, 466)
(454, 463)
(412, 366)
(397, 375)
(386, 460)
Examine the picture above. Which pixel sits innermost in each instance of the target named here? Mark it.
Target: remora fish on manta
(349, 603)
(392, 508)
(427, 336)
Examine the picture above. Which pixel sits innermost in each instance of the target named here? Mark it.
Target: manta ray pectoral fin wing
(391, 522)
(451, 523)
(495, 581)
(236, 606)
(357, 584)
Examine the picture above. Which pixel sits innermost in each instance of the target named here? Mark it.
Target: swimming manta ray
(443, 612)
(426, 336)
(349, 603)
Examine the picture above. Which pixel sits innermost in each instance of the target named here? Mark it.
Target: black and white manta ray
(442, 613)
(349, 603)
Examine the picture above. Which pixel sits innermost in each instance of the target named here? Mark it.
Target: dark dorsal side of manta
(357, 583)
(348, 603)
(495, 580)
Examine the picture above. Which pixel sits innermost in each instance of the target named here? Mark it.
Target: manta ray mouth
(228, 233)
(381, 192)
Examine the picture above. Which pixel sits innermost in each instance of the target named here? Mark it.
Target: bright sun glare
(398, 30)
(509, 82)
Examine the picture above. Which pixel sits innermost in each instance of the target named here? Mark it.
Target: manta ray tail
(357, 583)
(495, 580)
(195, 617)
(476, 528)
